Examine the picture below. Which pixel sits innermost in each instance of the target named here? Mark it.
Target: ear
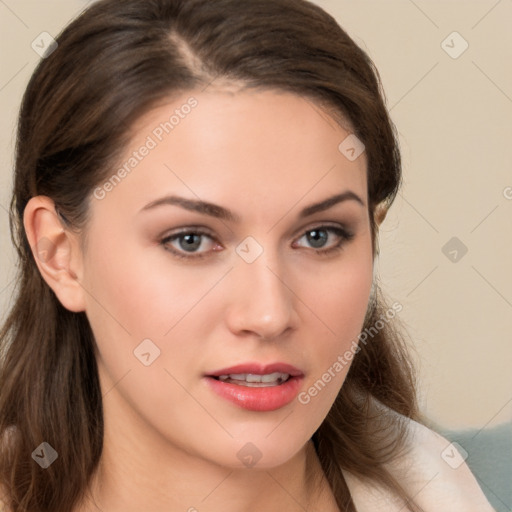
(381, 211)
(56, 251)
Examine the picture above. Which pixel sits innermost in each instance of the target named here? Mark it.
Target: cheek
(340, 294)
(340, 298)
(137, 293)
(134, 288)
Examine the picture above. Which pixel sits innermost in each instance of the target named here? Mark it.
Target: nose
(263, 303)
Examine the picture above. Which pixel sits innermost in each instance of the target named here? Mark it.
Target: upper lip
(258, 369)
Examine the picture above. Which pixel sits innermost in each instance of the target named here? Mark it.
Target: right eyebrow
(194, 205)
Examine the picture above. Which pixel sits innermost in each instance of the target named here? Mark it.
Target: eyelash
(344, 237)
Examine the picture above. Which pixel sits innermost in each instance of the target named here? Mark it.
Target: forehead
(259, 149)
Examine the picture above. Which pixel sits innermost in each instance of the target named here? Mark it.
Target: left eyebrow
(220, 212)
(330, 202)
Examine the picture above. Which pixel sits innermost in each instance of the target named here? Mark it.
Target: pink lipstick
(257, 387)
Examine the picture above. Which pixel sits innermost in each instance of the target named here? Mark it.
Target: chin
(260, 452)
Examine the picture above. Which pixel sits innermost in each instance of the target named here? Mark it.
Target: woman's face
(218, 253)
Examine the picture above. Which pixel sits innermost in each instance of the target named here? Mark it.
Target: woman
(197, 197)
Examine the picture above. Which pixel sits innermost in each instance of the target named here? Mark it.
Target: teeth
(251, 378)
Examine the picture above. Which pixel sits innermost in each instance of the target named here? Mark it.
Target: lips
(258, 369)
(257, 387)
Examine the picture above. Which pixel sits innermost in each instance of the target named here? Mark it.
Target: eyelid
(188, 229)
(323, 225)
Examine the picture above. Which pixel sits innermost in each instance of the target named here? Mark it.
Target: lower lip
(268, 398)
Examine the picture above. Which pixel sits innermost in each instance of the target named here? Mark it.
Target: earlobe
(56, 252)
(381, 211)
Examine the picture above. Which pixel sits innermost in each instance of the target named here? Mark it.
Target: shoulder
(439, 475)
(431, 471)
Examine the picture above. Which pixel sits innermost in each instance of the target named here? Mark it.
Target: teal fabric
(490, 459)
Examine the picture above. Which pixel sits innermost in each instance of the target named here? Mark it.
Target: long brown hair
(112, 64)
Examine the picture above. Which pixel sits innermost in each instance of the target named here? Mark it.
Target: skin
(170, 442)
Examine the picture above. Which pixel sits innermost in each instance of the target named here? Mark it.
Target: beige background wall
(453, 111)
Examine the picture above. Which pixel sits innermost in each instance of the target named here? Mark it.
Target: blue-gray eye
(190, 242)
(324, 239)
(317, 238)
(197, 244)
